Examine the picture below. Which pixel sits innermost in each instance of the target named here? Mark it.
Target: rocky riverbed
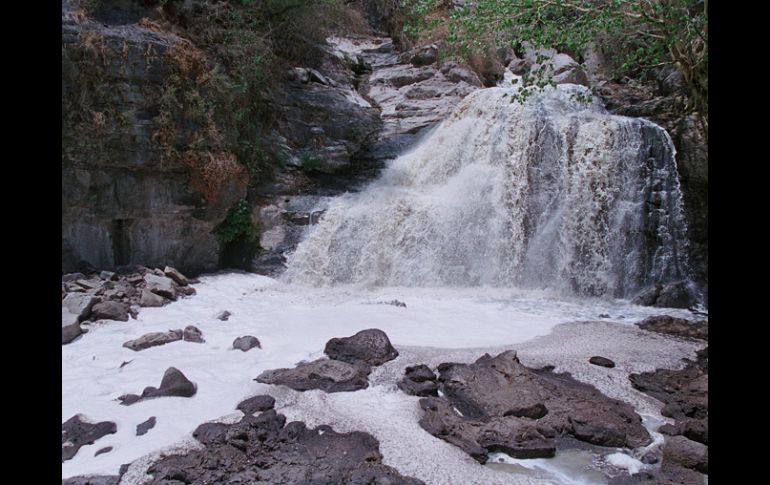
(378, 431)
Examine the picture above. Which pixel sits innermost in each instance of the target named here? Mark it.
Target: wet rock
(265, 449)
(601, 361)
(70, 333)
(672, 295)
(77, 433)
(144, 427)
(193, 334)
(498, 404)
(680, 327)
(150, 299)
(327, 375)
(188, 290)
(419, 381)
(246, 343)
(370, 346)
(675, 295)
(175, 275)
(161, 285)
(681, 451)
(106, 449)
(650, 458)
(80, 304)
(108, 276)
(224, 316)
(665, 475)
(153, 339)
(174, 383)
(256, 404)
(110, 310)
(93, 480)
(684, 392)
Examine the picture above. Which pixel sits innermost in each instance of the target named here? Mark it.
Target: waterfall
(553, 193)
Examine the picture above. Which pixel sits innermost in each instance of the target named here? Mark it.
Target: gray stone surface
(327, 375)
(110, 310)
(193, 334)
(153, 339)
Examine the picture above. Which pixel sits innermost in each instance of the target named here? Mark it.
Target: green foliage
(310, 162)
(640, 35)
(237, 226)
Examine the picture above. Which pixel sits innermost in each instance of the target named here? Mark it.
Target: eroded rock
(264, 449)
(153, 339)
(76, 433)
(174, 383)
(498, 404)
(327, 375)
(192, 334)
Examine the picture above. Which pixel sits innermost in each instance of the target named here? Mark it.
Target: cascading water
(553, 193)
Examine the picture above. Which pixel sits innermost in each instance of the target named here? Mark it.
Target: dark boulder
(192, 334)
(70, 333)
(419, 381)
(601, 361)
(110, 310)
(265, 449)
(76, 433)
(246, 343)
(144, 427)
(681, 451)
(370, 346)
(174, 383)
(498, 404)
(256, 404)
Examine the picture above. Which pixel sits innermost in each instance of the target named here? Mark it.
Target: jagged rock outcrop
(498, 404)
(125, 199)
(684, 393)
(265, 449)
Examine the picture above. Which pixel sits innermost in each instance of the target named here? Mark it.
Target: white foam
(293, 323)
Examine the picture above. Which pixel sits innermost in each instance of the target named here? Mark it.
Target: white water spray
(553, 193)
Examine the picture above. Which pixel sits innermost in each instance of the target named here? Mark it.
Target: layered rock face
(125, 201)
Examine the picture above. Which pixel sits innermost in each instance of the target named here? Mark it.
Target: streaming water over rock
(554, 193)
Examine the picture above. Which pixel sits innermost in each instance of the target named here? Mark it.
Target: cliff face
(125, 198)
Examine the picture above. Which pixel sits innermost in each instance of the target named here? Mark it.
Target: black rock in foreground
(76, 433)
(264, 449)
(498, 404)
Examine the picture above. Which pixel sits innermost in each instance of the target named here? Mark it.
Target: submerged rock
(498, 404)
(76, 433)
(264, 449)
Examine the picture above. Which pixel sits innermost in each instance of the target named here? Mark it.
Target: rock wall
(124, 201)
